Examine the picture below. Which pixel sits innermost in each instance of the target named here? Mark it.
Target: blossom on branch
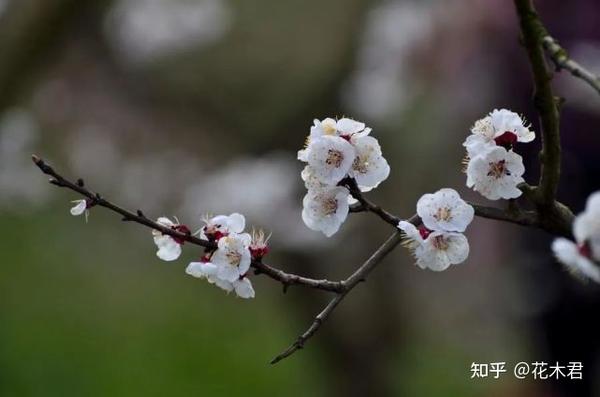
(496, 173)
(232, 256)
(338, 152)
(502, 128)
(435, 250)
(325, 209)
(438, 242)
(221, 225)
(444, 210)
(582, 257)
(169, 248)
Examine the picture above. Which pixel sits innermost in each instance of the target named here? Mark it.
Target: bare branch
(533, 32)
(352, 281)
(365, 205)
(562, 61)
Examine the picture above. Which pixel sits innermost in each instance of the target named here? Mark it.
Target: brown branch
(562, 61)
(533, 33)
(365, 205)
(96, 199)
(352, 281)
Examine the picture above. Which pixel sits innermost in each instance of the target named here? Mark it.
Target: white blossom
(444, 210)
(369, 167)
(500, 127)
(496, 173)
(435, 250)
(582, 257)
(330, 158)
(232, 256)
(221, 225)
(241, 286)
(575, 259)
(586, 226)
(168, 248)
(325, 209)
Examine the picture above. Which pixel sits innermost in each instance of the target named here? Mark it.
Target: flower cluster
(336, 150)
(227, 265)
(582, 257)
(439, 241)
(494, 169)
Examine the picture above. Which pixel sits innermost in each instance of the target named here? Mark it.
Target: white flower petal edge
(568, 254)
(445, 210)
(325, 209)
(496, 173)
(438, 250)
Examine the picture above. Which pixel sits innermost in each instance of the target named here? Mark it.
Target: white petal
(224, 284)
(201, 269)
(228, 273)
(410, 230)
(169, 250)
(79, 208)
(243, 288)
(458, 248)
(237, 223)
(165, 221)
(348, 126)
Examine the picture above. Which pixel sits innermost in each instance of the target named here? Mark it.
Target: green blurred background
(183, 107)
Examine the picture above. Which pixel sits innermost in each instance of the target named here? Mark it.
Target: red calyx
(424, 232)
(259, 252)
(181, 229)
(506, 140)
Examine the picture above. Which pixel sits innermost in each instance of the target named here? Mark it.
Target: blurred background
(183, 107)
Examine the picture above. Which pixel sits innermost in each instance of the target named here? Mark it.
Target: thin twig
(533, 32)
(562, 61)
(365, 205)
(352, 281)
(96, 199)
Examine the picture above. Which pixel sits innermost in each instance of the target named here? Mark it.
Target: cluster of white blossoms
(227, 265)
(494, 169)
(582, 257)
(439, 241)
(336, 150)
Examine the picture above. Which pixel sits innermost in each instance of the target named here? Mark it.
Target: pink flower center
(334, 158)
(506, 140)
(498, 170)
